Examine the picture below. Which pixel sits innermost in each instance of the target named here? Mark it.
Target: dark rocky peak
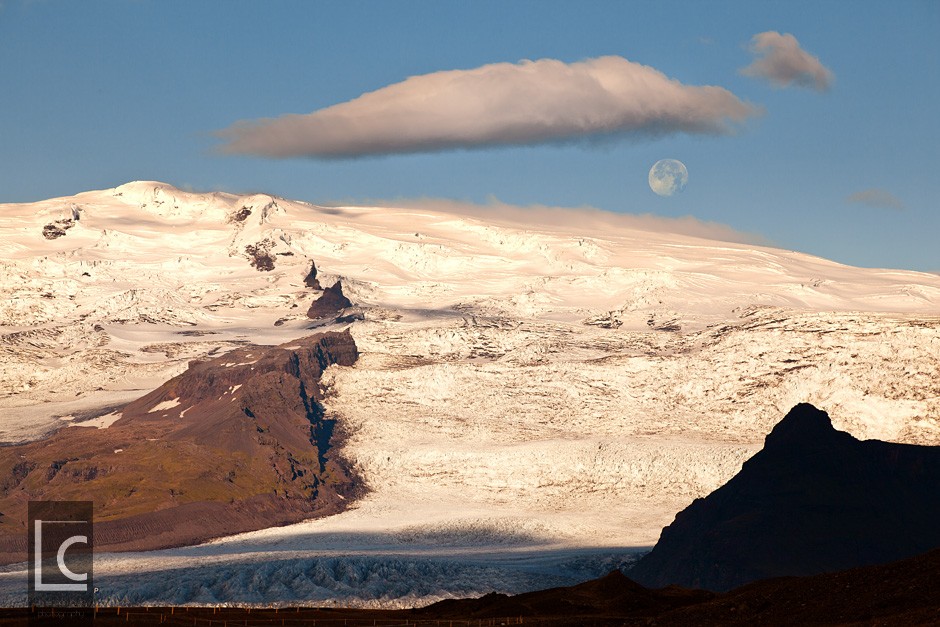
(311, 280)
(330, 304)
(803, 426)
(813, 500)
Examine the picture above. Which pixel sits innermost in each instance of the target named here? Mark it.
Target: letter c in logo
(60, 558)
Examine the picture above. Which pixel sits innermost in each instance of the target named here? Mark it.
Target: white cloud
(876, 198)
(585, 219)
(500, 104)
(784, 63)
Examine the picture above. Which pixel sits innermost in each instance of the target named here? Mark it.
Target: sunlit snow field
(536, 397)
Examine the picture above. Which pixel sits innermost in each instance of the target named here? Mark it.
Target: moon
(668, 176)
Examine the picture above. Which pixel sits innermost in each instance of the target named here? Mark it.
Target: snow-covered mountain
(533, 402)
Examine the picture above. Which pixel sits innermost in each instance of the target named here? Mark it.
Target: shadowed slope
(813, 500)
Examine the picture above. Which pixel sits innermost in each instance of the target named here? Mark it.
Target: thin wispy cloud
(502, 104)
(876, 198)
(782, 61)
(585, 219)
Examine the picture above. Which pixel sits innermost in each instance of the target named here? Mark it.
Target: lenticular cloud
(501, 104)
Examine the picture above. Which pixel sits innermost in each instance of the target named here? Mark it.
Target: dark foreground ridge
(901, 593)
(814, 500)
(233, 444)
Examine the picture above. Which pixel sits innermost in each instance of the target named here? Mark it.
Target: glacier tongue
(533, 402)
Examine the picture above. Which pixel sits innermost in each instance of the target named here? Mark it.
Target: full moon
(668, 176)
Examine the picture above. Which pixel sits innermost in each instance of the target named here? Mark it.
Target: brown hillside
(236, 443)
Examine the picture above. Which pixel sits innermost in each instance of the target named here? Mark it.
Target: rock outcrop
(259, 255)
(57, 229)
(236, 443)
(311, 280)
(814, 500)
(330, 304)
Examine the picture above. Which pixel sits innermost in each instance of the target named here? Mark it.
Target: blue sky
(99, 93)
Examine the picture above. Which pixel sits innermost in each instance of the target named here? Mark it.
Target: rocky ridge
(235, 443)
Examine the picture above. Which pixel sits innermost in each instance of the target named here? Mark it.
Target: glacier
(533, 402)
